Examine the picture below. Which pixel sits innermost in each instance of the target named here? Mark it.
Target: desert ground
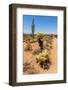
(30, 65)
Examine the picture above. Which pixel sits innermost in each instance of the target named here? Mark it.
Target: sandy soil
(30, 58)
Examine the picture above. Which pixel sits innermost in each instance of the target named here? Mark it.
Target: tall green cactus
(33, 28)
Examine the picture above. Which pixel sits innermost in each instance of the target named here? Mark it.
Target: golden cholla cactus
(42, 56)
(40, 35)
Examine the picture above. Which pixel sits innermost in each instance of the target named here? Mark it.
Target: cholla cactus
(43, 59)
(40, 39)
(42, 56)
(40, 35)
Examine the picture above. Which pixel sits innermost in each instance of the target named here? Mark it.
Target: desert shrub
(33, 40)
(48, 39)
(32, 70)
(28, 47)
(28, 44)
(29, 68)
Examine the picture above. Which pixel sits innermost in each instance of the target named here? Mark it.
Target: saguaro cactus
(33, 28)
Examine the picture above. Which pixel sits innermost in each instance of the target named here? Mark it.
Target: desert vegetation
(40, 53)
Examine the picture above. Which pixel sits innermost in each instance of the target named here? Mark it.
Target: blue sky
(45, 24)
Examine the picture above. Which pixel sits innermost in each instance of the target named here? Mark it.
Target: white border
(40, 77)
